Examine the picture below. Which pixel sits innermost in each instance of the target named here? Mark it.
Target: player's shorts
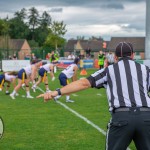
(63, 79)
(22, 75)
(42, 72)
(2, 80)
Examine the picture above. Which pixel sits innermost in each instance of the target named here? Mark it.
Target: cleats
(7, 93)
(33, 88)
(29, 96)
(16, 94)
(69, 101)
(23, 86)
(12, 96)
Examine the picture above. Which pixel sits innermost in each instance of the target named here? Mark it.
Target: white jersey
(69, 71)
(9, 77)
(47, 67)
(28, 70)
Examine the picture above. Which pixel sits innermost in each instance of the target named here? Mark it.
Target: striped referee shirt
(126, 83)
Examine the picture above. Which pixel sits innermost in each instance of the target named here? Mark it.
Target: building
(137, 42)
(8, 47)
(84, 47)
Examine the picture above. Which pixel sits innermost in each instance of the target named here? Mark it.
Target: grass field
(31, 124)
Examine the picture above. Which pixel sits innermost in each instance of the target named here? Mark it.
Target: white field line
(80, 116)
(99, 94)
(74, 95)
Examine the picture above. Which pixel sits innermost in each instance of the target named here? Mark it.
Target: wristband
(59, 92)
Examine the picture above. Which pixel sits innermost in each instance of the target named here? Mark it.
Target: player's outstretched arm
(70, 88)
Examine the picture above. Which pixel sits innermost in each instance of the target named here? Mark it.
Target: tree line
(39, 30)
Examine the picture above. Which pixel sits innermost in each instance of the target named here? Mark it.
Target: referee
(127, 86)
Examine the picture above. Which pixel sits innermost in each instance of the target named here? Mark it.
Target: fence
(6, 54)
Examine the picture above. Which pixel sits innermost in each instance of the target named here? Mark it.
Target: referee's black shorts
(126, 126)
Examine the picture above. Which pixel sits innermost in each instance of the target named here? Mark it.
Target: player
(47, 68)
(25, 75)
(8, 77)
(69, 72)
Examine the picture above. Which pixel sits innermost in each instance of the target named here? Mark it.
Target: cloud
(18, 4)
(113, 6)
(105, 31)
(56, 10)
(99, 17)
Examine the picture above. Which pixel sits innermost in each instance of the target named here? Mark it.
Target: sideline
(80, 116)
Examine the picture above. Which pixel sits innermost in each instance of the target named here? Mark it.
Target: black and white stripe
(127, 84)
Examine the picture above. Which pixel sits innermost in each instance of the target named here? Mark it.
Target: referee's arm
(70, 88)
(96, 80)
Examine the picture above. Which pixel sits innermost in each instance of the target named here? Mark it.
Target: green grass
(35, 125)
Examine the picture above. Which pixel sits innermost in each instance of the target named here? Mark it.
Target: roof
(15, 44)
(69, 47)
(94, 45)
(137, 42)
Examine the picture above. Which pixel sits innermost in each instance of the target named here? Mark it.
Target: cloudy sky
(105, 18)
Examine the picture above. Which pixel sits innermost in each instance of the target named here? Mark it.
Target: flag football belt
(45, 73)
(131, 109)
(2, 82)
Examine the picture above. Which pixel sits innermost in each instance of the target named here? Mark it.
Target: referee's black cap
(124, 49)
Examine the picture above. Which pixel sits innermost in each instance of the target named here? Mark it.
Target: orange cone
(96, 63)
(83, 72)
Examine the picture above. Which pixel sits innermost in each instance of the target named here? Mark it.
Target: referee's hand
(48, 96)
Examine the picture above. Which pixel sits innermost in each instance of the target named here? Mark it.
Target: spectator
(33, 57)
(27, 57)
(10, 58)
(81, 56)
(71, 56)
(110, 58)
(14, 57)
(81, 64)
(101, 58)
(48, 56)
(54, 58)
(88, 53)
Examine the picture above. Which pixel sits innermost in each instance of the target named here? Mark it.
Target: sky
(99, 18)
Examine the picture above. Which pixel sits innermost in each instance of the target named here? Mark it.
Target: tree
(45, 20)
(18, 29)
(41, 35)
(21, 15)
(4, 37)
(33, 20)
(4, 27)
(50, 41)
(58, 31)
(43, 30)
